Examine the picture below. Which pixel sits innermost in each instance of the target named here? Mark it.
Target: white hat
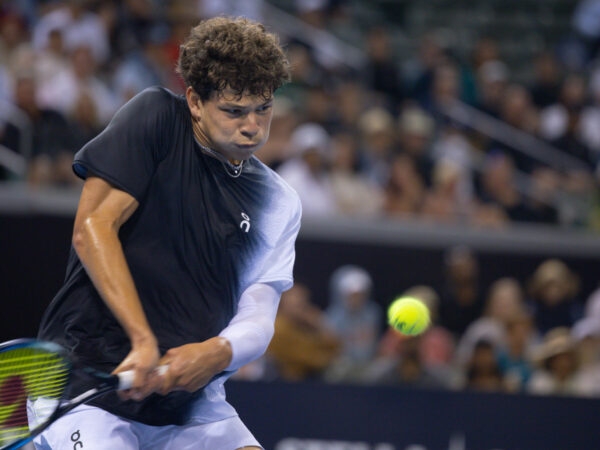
(556, 341)
(309, 136)
(355, 280)
(375, 120)
(493, 71)
(586, 327)
(592, 306)
(416, 121)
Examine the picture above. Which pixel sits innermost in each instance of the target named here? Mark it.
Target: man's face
(234, 126)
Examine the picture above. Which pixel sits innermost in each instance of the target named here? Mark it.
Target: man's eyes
(236, 112)
(264, 108)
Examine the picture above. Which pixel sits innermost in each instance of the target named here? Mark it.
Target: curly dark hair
(233, 53)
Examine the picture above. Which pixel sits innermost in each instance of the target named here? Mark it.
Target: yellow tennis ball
(408, 315)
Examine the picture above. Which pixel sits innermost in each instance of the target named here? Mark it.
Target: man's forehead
(232, 96)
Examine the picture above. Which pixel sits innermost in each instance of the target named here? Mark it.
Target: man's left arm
(245, 339)
(251, 329)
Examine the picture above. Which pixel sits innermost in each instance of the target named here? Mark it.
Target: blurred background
(444, 149)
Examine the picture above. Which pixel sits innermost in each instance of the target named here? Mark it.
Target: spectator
(129, 23)
(308, 171)
(592, 305)
(499, 185)
(504, 302)
(407, 369)
(51, 140)
(560, 123)
(350, 101)
(514, 358)
(461, 299)
(482, 372)
(51, 61)
(557, 365)
(416, 129)
(380, 73)
(586, 25)
(517, 110)
(452, 151)
(318, 107)
(589, 132)
(419, 71)
(575, 199)
(543, 191)
(445, 202)
(14, 30)
(485, 50)
(305, 75)
(586, 333)
(81, 95)
(284, 122)
(445, 89)
(376, 128)
(546, 82)
(303, 346)
(315, 13)
(553, 290)
(355, 317)
(492, 78)
(144, 67)
(355, 195)
(79, 27)
(405, 191)
(14, 35)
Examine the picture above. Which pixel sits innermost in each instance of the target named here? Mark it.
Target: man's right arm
(102, 210)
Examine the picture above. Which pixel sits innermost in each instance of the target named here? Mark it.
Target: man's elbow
(78, 239)
(83, 233)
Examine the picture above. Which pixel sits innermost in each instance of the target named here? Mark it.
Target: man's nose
(251, 125)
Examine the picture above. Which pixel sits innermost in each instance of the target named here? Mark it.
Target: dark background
(325, 417)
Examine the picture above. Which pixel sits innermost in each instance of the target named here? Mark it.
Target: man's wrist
(143, 339)
(224, 353)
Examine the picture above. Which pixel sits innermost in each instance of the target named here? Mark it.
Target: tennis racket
(39, 372)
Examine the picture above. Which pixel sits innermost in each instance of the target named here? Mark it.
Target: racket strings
(27, 373)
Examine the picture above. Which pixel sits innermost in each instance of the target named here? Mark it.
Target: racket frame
(105, 383)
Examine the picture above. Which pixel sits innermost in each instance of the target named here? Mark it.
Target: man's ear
(194, 103)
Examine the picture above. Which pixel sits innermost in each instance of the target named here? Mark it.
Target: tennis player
(183, 243)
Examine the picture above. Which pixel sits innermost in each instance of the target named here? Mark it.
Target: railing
(16, 162)
(334, 49)
(12, 161)
(507, 134)
(525, 143)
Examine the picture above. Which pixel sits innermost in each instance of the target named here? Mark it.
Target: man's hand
(192, 366)
(142, 359)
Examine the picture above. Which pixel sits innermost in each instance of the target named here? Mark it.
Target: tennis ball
(408, 316)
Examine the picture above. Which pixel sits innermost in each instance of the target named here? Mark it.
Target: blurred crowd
(377, 140)
(533, 337)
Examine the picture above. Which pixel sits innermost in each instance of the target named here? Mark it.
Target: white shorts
(91, 428)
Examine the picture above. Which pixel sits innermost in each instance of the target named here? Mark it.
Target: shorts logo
(245, 224)
(75, 437)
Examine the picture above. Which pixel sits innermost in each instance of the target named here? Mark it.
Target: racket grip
(126, 378)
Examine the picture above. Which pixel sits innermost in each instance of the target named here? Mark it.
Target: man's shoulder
(276, 182)
(153, 105)
(160, 95)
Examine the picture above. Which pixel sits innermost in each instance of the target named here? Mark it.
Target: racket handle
(126, 378)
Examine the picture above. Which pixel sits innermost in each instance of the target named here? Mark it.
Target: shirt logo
(245, 224)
